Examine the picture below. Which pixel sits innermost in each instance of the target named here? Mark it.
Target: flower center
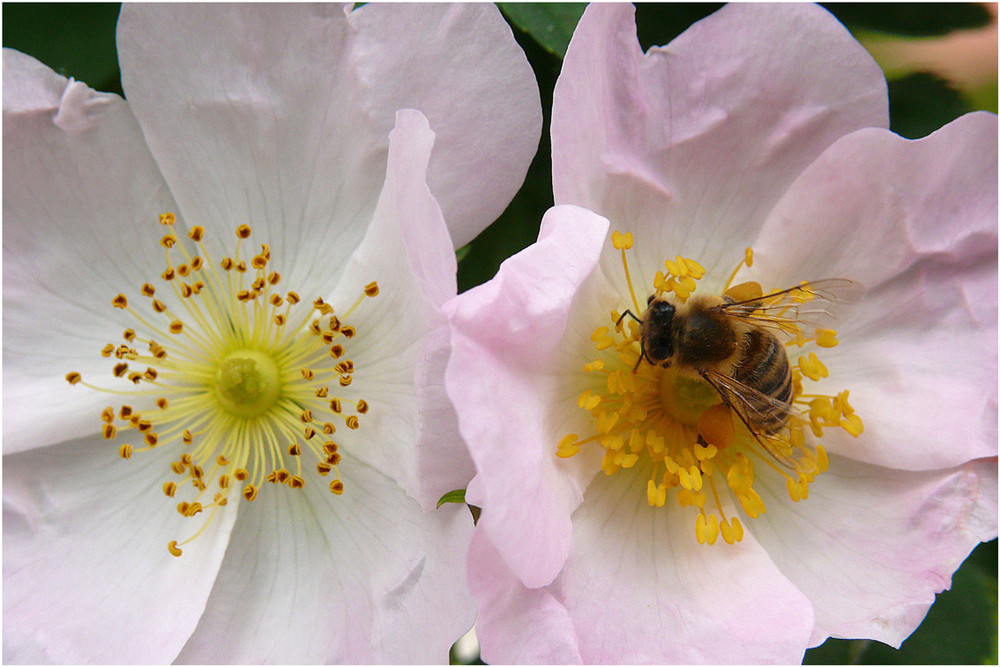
(247, 382)
(238, 379)
(702, 389)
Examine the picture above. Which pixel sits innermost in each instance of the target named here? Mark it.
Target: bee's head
(657, 322)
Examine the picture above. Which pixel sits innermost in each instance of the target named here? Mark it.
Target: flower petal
(463, 69)
(290, 135)
(402, 344)
(690, 145)
(871, 546)
(81, 202)
(504, 335)
(85, 557)
(915, 222)
(362, 577)
(516, 624)
(699, 604)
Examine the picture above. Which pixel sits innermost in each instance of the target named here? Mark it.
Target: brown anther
(335, 405)
(129, 335)
(186, 437)
(307, 373)
(276, 300)
(169, 489)
(151, 439)
(306, 416)
(240, 474)
(333, 324)
(198, 286)
(258, 262)
(227, 263)
(162, 403)
(308, 433)
(337, 487)
(172, 548)
(125, 412)
(243, 231)
(223, 481)
(109, 431)
(221, 460)
(148, 290)
(265, 251)
(345, 367)
(150, 373)
(329, 428)
(144, 425)
(221, 500)
(197, 472)
(186, 459)
(328, 336)
(362, 406)
(134, 419)
(337, 351)
(183, 270)
(258, 284)
(176, 327)
(314, 327)
(120, 302)
(272, 477)
(293, 298)
(330, 447)
(168, 241)
(345, 380)
(108, 415)
(352, 422)
(193, 509)
(282, 475)
(250, 492)
(296, 482)
(279, 319)
(107, 350)
(177, 467)
(322, 392)
(241, 267)
(197, 233)
(243, 295)
(333, 459)
(121, 351)
(348, 331)
(371, 289)
(168, 274)
(294, 449)
(196, 263)
(323, 468)
(182, 507)
(158, 306)
(73, 377)
(167, 218)
(274, 277)
(120, 369)
(135, 377)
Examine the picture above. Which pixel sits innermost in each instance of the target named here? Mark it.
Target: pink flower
(624, 519)
(277, 328)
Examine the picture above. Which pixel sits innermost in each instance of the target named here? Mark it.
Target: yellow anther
(168, 241)
(852, 424)
(336, 487)
(748, 257)
(706, 530)
(125, 451)
(826, 337)
(371, 289)
(732, 531)
(243, 232)
(812, 367)
(621, 241)
(745, 291)
(120, 302)
(172, 548)
(352, 422)
(362, 406)
(568, 446)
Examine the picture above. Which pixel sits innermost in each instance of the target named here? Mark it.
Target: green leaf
(456, 496)
(549, 24)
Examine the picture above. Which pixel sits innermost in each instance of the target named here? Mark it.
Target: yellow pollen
(671, 421)
(239, 370)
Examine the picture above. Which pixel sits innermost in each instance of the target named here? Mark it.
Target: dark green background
(79, 40)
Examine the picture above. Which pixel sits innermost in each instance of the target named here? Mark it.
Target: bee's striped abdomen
(764, 367)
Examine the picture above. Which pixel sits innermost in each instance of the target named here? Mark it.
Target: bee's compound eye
(649, 300)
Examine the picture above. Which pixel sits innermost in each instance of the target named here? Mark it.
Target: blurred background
(940, 60)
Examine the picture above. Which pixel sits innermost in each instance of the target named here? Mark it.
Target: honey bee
(734, 343)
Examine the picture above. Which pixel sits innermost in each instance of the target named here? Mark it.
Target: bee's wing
(813, 305)
(749, 404)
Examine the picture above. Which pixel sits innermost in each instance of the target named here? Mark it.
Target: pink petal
(81, 206)
(86, 575)
(915, 221)
(378, 580)
(504, 334)
(640, 589)
(871, 546)
(516, 624)
(690, 145)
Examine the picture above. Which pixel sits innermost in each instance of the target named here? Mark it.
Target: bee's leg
(642, 353)
(618, 324)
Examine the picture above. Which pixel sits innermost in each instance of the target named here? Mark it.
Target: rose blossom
(240, 467)
(628, 514)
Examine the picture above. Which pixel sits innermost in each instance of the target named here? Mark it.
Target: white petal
(871, 546)
(87, 575)
(362, 577)
(81, 205)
